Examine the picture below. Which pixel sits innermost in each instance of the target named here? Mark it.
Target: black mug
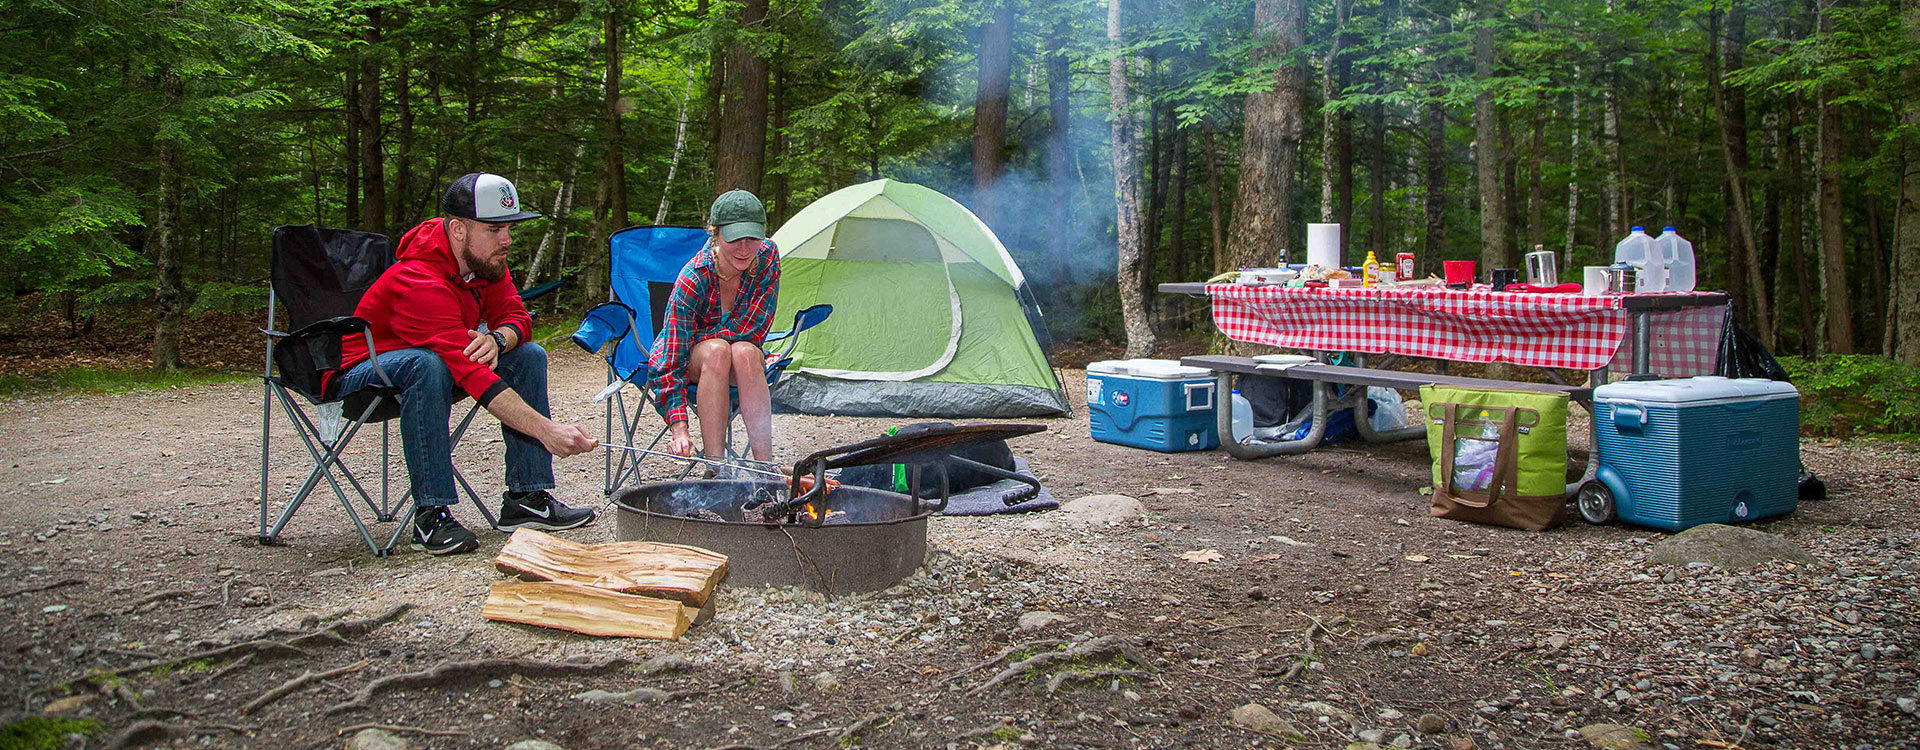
(1504, 276)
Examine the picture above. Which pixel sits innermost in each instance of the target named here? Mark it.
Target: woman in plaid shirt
(716, 321)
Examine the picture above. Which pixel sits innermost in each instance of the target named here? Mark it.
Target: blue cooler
(1680, 453)
(1157, 404)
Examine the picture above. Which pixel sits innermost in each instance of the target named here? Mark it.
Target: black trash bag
(1274, 400)
(960, 478)
(1743, 356)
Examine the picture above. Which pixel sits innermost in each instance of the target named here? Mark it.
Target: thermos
(1543, 268)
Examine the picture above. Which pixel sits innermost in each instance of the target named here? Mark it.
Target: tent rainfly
(931, 318)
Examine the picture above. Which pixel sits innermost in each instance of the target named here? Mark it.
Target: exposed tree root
(305, 678)
(853, 730)
(1055, 682)
(459, 671)
(42, 587)
(1004, 653)
(149, 731)
(841, 734)
(1104, 647)
(158, 596)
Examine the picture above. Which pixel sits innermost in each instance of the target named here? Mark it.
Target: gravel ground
(1315, 586)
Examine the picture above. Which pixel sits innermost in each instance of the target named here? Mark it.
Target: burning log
(587, 609)
(672, 571)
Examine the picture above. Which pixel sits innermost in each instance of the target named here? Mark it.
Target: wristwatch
(499, 339)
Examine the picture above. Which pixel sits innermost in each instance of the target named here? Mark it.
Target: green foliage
(44, 732)
(1842, 395)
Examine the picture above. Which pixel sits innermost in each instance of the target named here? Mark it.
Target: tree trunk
(1177, 259)
(1874, 292)
(1906, 251)
(557, 218)
(168, 294)
(1536, 190)
(1059, 163)
(1833, 250)
(742, 146)
(1270, 145)
(373, 207)
(782, 187)
(1614, 219)
(1336, 133)
(1486, 128)
(1737, 189)
(350, 105)
(1434, 244)
(1797, 232)
(610, 192)
(679, 150)
(1126, 178)
(716, 83)
(1216, 221)
(1377, 180)
(1733, 130)
(1156, 186)
(403, 148)
(1574, 158)
(990, 109)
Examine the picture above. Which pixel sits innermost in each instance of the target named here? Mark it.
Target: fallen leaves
(1202, 556)
(1417, 558)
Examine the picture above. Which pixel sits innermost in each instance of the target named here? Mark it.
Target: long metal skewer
(707, 461)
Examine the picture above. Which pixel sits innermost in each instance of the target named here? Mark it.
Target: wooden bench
(1324, 373)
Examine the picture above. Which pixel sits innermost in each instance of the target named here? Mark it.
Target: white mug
(1594, 282)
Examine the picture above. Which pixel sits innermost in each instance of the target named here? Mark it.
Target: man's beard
(481, 269)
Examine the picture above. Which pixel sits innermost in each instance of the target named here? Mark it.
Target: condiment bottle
(1370, 270)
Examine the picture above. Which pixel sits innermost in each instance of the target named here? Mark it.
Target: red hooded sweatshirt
(422, 301)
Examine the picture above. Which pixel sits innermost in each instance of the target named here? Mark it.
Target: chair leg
(266, 450)
(386, 461)
(323, 464)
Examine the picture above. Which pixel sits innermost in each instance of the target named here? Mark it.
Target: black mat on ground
(988, 500)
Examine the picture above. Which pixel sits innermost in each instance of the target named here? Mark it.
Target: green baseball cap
(737, 214)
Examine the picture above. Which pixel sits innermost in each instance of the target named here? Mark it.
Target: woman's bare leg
(756, 404)
(710, 366)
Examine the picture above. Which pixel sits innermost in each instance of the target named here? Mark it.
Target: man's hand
(681, 443)
(567, 440)
(481, 348)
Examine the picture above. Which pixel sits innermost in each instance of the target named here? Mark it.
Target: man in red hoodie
(447, 321)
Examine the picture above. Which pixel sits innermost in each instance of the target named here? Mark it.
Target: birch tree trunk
(167, 292)
(1126, 179)
(679, 150)
(1573, 181)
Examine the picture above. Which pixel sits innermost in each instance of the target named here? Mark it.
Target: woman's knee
(747, 357)
(709, 357)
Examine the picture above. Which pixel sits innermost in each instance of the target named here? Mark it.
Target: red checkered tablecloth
(1568, 331)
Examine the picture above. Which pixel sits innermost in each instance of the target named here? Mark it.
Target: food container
(1157, 404)
(1679, 453)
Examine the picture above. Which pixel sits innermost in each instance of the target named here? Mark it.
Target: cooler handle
(1205, 391)
(1629, 416)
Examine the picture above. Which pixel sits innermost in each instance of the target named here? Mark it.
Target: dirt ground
(1335, 601)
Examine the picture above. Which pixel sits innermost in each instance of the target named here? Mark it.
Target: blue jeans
(427, 394)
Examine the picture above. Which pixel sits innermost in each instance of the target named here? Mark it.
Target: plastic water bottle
(1242, 417)
(1641, 252)
(1678, 252)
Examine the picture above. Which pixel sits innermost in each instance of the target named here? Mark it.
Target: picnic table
(1671, 335)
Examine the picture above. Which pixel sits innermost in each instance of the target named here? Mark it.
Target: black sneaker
(538, 510)
(436, 533)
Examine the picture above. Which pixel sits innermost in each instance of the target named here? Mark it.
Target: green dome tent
(931, 318)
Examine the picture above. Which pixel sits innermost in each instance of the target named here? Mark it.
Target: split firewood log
(586, 609)
(671, 571)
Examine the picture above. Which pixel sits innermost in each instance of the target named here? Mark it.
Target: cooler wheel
(1596, 503)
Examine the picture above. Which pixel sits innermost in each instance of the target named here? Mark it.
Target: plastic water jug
(1641, 252)
(1242, 417)
(1678, 252)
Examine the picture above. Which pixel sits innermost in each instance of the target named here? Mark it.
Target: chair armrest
(340, 326)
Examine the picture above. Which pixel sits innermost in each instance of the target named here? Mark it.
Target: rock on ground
(1729, 547)
(1091, 512)
(376, 739)
(1263, 720)
(534, 745)
(1041, 620)
(635, 696)
(1615, 737)
(1430, 724)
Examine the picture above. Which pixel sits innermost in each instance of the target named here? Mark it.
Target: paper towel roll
(1323, 245)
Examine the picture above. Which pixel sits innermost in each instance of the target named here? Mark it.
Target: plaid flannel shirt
(693, 315)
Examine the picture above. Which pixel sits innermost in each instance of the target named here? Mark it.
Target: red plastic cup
(1458, 271)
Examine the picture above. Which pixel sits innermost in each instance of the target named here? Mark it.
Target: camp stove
(807, 531)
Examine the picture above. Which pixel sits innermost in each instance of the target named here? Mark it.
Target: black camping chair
(319, 275)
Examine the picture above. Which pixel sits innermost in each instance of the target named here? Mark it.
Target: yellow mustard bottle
(1370, 271)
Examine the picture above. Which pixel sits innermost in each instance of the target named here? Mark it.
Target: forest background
(148, 147)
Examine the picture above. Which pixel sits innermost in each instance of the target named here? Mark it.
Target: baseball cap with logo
(484, 197)
(737, 214)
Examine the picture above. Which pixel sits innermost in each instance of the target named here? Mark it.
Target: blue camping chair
(644, 262)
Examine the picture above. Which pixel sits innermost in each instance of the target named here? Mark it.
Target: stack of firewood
(630, 589)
